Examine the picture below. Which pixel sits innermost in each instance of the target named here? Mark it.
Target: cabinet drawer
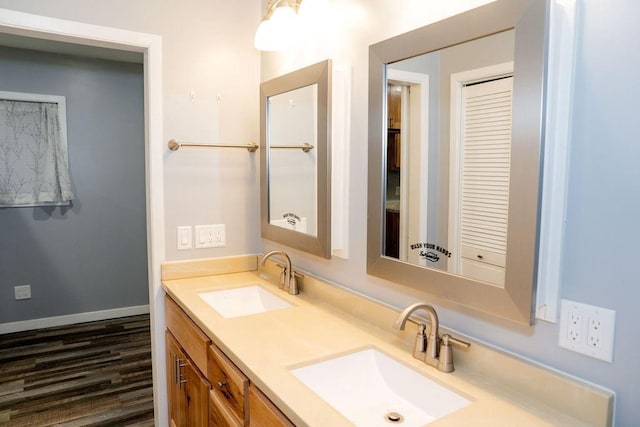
(228, 383)
(263, 413)
(219, 413)
(187, 333)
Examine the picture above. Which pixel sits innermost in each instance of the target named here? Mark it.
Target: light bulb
(280, 32)
(263, 36)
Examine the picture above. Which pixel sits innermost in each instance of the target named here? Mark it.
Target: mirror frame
(314, 74)
(515, 301)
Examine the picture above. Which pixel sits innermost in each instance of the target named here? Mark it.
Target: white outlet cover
(210, 236)
(594, 342)
(22, 292)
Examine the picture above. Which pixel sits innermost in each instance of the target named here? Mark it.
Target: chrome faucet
(288, 277)
(430, 348)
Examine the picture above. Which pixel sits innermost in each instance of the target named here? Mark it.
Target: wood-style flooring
(89, 374)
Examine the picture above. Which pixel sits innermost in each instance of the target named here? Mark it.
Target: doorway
(407, 172)
(39, 27)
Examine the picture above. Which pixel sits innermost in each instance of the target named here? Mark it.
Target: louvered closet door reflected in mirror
(480, 203)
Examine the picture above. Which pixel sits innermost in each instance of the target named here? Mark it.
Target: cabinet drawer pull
(176, 370)
(222, 385)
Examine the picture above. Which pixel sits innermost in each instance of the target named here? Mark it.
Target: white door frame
(458, 81)
(25, 24)
(408, 78)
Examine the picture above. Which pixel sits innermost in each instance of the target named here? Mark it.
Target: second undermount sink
(243, 301)
(372, 389)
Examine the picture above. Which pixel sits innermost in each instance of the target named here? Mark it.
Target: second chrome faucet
(288, 277)
(430, 348)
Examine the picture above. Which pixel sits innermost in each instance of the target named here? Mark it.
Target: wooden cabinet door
(196, 389)
(263, 413)
(177, 398)
(188, 390)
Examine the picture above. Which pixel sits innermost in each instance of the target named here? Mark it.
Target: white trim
(562, 45)
(30, 25)
(33, 97)
(409, 78)
(340, 155)
(70, 319)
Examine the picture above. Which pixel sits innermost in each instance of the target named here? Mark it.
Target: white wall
(207, 49)
(601, 248)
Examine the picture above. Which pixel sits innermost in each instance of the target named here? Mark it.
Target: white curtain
(34, 165)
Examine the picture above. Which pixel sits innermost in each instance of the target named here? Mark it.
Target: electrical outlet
(22, 292)
(210, 236)
(574, 327)
(587, 329)
(594, 333)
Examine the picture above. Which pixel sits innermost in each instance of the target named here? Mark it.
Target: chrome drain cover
(394, 417)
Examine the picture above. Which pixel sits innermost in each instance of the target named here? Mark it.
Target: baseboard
(70, 319)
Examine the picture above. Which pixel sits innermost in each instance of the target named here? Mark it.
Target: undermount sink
(372, 389)
(243, 301)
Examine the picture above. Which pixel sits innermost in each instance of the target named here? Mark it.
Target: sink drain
(394, 417)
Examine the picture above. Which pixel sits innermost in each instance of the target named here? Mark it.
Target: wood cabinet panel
(224, 398)
(177, 399)
(187, 388)
(187, 333)
(263, 412)
(220, 415)
(228, 382)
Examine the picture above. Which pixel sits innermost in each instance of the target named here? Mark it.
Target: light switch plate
(587, 329)
(185, 237)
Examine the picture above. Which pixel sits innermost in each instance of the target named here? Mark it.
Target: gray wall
(90, 256)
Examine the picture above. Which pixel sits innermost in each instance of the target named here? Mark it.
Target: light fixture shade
(263, 35)
(279, 32)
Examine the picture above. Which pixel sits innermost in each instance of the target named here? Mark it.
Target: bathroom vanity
(248, 369)
(205, 387)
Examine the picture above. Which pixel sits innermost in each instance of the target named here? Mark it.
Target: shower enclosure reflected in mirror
(455, 125)
(295, 148)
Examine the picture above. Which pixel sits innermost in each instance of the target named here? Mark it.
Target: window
(34, 164)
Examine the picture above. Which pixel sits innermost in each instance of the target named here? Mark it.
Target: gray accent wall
(91, 255)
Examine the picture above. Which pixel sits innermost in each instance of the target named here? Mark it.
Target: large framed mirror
(455, 141)
(295, 175)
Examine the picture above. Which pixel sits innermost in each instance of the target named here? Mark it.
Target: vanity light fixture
(282, 27)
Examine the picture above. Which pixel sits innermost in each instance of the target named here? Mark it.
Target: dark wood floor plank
(97, 373)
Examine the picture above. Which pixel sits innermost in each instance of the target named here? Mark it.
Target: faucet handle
(420, 345)
(292, 286)
(445, 362)
(458, 342)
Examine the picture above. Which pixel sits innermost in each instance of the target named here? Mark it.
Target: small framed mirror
(295, 176)
(455, 140)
